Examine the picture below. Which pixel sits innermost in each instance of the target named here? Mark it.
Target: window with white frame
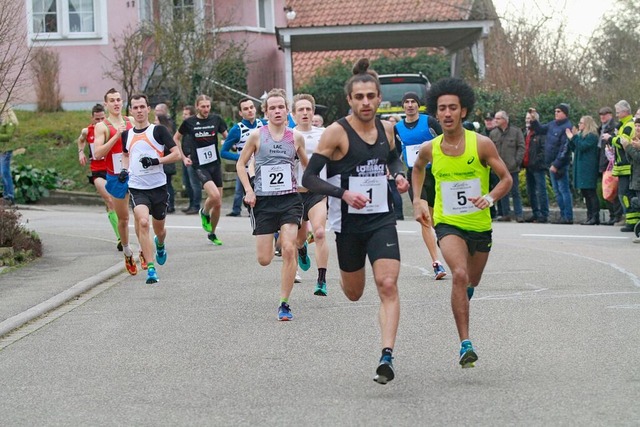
(183, 8)
(265, 15)
(64, 19)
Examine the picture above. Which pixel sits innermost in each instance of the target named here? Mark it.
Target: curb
(56, 301)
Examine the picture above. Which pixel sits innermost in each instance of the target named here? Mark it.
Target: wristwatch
(489, 199)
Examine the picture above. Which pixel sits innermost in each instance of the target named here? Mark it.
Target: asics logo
(470, 160)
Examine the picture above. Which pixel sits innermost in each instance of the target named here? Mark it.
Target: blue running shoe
(152, 277)
(303, 258)
(284, 312)
(438, 270)
(384, 373)
(470, 290)
(468, 356)
(321, 289)
(161, 252)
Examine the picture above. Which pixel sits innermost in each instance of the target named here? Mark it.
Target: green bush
(32, 183)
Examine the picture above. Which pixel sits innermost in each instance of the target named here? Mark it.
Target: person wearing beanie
(557, 157)
(410, 134)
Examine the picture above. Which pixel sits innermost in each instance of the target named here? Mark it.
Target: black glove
(148, 161)
(123, 176)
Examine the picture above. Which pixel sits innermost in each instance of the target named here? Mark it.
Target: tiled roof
(305, 64)
(320, 13)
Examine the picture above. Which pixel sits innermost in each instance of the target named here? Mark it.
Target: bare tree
(131, 64)
(15, 55)
(46, 72)
(176, 56)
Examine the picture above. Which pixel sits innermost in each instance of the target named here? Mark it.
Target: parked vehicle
(394, 86)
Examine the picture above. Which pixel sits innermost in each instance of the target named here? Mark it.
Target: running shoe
(161, 252)
(119, 246)
(277, 252)
(214, 239)
(303, 258)
(468, 356)
(470, 290)
(152, 277)
(284, 312)
(310, 237)
(321, 289)
(143, 262)
(438, 270)
(297, 279)
(206, 221)
(384, 373)
(130, 264)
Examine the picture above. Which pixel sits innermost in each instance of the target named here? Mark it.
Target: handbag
(609, 183)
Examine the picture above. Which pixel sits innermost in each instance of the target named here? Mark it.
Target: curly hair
(361, 74)
(451, 86)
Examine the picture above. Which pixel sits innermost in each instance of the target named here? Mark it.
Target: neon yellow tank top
(457, 179)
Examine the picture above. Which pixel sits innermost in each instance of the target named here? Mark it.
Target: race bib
(455, 196)
(412, 154)
(276, 178)
(206, 154)
(117, 162)
(374, 187)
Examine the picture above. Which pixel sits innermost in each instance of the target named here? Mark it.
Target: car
(394, 86)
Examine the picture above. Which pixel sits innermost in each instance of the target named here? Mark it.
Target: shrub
(25, 244)
(31, 183)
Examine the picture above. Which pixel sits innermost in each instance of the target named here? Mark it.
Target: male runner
(237, 137)
(98, 167)
(357, 150)
(107, 144)
(204, 128)
(460, 164)
(143, 159)
(315, 205)
(410, 134)
(275, 202)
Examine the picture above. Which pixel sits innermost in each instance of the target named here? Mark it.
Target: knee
(143, 223)
(320, 234)
(460, 276)
(388, 287)
(264, 260)
(352, 294)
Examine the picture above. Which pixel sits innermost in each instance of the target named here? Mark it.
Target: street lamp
(290, 13)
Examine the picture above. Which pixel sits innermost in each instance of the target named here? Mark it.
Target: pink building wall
(83, 63)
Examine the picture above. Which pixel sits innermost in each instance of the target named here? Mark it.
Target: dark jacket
(585, 160)
(610, 128)
(556, 146)
(534, 151)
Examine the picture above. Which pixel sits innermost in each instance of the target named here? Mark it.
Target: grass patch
(49, 140)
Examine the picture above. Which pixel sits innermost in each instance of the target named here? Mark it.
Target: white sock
(127, 250)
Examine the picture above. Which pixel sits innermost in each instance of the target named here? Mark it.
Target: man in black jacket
(536, 172)
(608, 126)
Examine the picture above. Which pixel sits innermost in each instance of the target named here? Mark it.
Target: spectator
(536, 172)
(8, 125)
(510, 145)
(317, 121)
(633, 153)
(489, 123)
(584, 145)
(558, 156)
(608, 126)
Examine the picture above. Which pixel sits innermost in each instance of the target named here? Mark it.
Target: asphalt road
(554, 321)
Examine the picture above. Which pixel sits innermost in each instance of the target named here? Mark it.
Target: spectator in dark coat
(558, 157)
(536, 172)
(584, 145)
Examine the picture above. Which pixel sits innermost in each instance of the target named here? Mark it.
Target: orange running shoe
(130, 264)
(143, 262)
